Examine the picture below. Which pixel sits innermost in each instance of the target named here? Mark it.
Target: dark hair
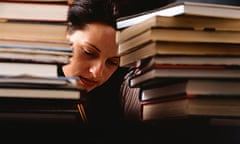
(82, 12)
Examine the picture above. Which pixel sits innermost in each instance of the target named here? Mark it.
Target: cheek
(75, 68)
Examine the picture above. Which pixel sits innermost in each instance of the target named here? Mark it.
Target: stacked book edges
(186, 65)
(41, 98)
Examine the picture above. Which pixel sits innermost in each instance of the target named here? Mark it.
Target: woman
(91, 34)
(95, 61)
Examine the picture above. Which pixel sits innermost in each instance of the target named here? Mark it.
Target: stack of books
(33, 48)
(186, 63)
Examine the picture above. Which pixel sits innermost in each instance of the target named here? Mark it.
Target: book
(35, 43)
(42, 110)
(185, 62)
(35, 49)
(39, 80)
(32, 90)
(33, 54)
(188, 60)
(46, 33)
(162, 48)
(28, 68)
(179, 8)
(27, 97)
(31, 57)
(198, 87)
(34, 11)
(179, 35)
(156, 75)
(44, 1)
(193, 22)
(190, 107)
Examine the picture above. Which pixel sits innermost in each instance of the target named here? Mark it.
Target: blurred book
(34, 33)
(35, 69)
(27, 86)
(33, 11)
(16, 60)
(34, 54)
(26, 97)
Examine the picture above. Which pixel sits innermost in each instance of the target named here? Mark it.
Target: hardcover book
(179, 35)
(33, 11)
(162, 48)
(190, 106)
(52, 88)
(46, 33)
(187, 22)
(156, 75)
(200, 87)
(179, 8)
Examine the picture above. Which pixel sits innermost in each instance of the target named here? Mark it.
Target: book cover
(209, 9)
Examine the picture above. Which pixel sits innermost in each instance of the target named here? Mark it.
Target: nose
(97, 69)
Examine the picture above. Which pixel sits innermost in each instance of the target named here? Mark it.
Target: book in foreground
(42, 110)
(203, 87)
(183, 8)
(29, 68)
(49, 33)
(27, 87)
(191, 107)
(34, 11)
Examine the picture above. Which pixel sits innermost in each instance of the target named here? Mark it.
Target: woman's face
(94, 57)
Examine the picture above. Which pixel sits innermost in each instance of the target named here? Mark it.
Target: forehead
(101, 36)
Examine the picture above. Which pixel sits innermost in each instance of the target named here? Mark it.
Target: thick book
(191, 106)
(179, 35)
(203, 87)
(162, 48)
(155, 75)
(33, 11)
(193, 22)
(183, 8)
(48, 33)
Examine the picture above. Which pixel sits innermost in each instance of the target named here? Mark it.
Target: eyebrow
(93, 46)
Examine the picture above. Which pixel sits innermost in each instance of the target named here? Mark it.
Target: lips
(87, 83)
